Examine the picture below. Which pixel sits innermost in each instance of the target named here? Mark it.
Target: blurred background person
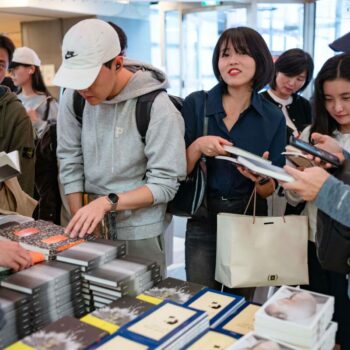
(25, 73)
(7, 47)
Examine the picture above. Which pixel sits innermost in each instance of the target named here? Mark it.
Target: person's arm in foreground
(331, 195)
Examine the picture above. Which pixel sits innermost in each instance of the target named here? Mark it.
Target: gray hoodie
(107, 155)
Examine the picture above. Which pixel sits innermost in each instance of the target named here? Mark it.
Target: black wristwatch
(113, 199)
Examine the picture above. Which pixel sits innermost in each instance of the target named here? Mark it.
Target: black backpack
(143, 109)
(333, 238)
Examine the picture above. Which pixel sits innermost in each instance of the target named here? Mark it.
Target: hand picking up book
(296, 152)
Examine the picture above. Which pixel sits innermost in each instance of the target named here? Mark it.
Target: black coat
(299, 112)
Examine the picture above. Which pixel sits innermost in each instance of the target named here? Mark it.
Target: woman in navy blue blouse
(237, 115)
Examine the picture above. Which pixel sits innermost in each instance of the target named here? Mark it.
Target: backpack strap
(47, 109)
(143, 112)
(78, 106)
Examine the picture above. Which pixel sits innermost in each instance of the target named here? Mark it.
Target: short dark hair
(123, 39)
(7, 44)
(249, 42)
(337, 67)
(292, 63)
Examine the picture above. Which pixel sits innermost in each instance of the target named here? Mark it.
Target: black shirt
(261, 127)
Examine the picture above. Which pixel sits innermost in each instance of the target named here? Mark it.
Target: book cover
(252, 341)
(162, 324)
(66, 333)
(119, 342)
(297, 157)
(171, 289)
(118, 313)
(295, 316)
(260, 168)
(242, 321)
(92, 252)
(216, 304)
(41, 276)
(210, 340)
(9, 165)
(41, 236)
(236, 151)
(106, 275)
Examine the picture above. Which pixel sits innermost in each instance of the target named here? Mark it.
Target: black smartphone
(317, 152)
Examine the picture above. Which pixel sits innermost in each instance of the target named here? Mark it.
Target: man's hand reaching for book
(12, 255)
(87, 218)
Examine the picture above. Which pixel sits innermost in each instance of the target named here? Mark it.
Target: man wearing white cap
(105, 156)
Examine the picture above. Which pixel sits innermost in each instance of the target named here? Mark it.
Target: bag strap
(78, 106)
(143, 112)
(254, 207)
(47, 109)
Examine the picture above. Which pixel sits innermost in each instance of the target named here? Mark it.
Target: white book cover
(260, 168)
(253, 341)
(293, 314)
(9, 165)
(243, 153)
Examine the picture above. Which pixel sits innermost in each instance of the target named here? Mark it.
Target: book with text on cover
(242, 321)
(9, 165)
(164, 324)
(217, 305)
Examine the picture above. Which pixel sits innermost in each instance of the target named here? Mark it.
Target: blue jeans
(200, 243)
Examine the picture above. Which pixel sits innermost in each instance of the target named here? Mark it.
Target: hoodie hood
(146, 78)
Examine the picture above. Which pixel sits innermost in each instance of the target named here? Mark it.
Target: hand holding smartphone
(317, 152)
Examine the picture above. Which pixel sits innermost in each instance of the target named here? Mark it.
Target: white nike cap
(86, 47)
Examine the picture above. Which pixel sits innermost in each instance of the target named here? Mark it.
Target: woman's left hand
(249, 174)
(264, 189)
(33, 115)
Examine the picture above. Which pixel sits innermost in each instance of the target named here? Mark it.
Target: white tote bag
(257, 251)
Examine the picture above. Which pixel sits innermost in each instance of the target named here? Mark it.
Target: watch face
(113, 198)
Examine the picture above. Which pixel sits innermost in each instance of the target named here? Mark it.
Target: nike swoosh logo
(69, 55)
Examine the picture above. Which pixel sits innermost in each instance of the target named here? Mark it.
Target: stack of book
(299, 318)
(171, 289)
(65, 333)
(212, 339)
(16, 307)
(91, 255)
(124, 276)
(110, 318)
(253, 341)
(40, 236)
(240, 322)
(218, 305)
(166, 326)
(55, 289)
